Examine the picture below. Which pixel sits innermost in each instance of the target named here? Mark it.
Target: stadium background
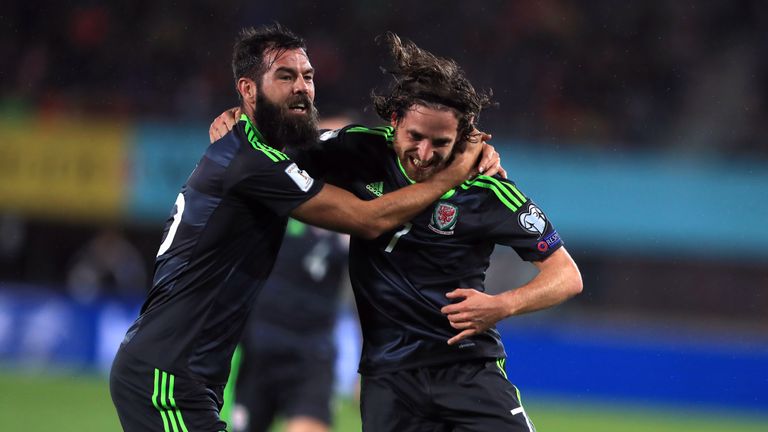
(639, 126)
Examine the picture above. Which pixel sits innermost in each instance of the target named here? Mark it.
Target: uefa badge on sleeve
(444, 218)
(533, 220)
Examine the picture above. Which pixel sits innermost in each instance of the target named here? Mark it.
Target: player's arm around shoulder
(336, 209)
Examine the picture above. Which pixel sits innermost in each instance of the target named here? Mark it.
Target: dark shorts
(281, 384)
(149, 399)
(460, 397)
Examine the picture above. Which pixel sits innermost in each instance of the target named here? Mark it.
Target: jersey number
(316, 262)
(174, 225)
(396, 237)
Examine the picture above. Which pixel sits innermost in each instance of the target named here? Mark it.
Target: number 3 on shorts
(174, 225)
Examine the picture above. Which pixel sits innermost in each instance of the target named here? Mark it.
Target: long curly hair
(422, 78)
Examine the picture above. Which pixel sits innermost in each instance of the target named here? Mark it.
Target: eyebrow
(292, 71)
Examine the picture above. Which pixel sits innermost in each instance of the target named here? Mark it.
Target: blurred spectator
(12, 241)
(647, 73)
(108, 264)
(288, 352)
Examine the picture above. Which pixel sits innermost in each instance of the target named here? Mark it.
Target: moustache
(299, 99)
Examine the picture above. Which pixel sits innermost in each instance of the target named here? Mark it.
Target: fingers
(223, 123)
(211, 135)
(492, 169)
(475, 136)
(216, 132)
(490, 160)
(455, 307)
(458, 292)
(461, 336)
(461, 321)
(502, 171)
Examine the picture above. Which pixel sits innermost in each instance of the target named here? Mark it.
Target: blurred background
(640, 127)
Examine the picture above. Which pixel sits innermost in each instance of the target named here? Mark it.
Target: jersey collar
(259, 137)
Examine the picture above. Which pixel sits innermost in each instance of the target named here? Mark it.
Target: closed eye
(416, 136)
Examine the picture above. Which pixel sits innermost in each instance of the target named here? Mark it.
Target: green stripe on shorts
(166, 404)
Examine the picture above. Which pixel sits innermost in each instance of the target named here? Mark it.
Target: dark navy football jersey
(302, 293)
(219, 246)
(400, 278)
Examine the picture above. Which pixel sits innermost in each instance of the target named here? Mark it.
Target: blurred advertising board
(65, 169)
(42, 328)
(636, 362)
(648, 203)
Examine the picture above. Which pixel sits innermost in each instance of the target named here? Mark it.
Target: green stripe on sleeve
(499, 194)
(387, 132)
(517, 192)
(503, 187)
(509, 195)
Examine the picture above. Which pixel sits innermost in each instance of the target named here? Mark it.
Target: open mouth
(420, 164)
(298, 108)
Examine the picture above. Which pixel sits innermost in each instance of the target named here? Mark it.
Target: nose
(425, 150)
(300, 85)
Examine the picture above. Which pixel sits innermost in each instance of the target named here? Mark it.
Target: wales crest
(444, 218)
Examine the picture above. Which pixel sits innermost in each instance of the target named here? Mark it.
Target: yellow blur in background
(63, 168)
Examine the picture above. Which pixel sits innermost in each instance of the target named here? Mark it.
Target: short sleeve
(280, 185)
(526, 228)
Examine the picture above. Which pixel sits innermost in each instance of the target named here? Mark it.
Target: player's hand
(465, 164)
(490, 160)
(476, 313)
(222, 124)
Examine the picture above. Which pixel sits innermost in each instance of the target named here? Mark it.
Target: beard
(283, 129)
(417, 174)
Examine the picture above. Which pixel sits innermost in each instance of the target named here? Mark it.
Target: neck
(249, 110)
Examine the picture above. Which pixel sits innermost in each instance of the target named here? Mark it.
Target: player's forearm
(396, 208)
(339, 210)
(556, 282)
(536, 296)
(336, 209)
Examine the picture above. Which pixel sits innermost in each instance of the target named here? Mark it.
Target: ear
(393, 120)
(247, 89)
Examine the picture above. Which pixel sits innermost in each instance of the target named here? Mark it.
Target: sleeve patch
(300, 177)
(325, 136)
(533, 220)
(548, 242)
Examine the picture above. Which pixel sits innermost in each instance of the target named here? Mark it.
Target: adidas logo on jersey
(376, 188)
